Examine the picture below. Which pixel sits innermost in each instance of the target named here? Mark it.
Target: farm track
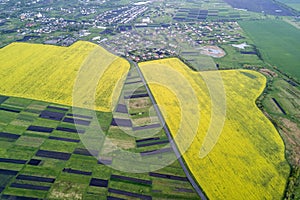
(173, 145)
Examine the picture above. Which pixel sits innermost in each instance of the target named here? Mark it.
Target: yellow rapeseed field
(49, 73)
(247, 161)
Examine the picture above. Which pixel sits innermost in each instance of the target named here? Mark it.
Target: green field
(295, 4)
(278, 43)
(234, 59)
(288, 98)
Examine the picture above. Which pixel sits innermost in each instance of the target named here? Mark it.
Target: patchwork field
(50, 73)
(243, 161)
(267, 6)
(278, 43)
(42, 154)
(55, 151)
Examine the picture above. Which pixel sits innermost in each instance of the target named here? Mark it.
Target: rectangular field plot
(122, 108)
(30, 187)
(26, 117)
(140, 90)
(8, 172)
(131, 180)
(52, 115)
(34, 162)
(135, 96)
(79, 116)
(165, 141)
(11, 167)
(6, 117)
(76, 121)
(73, 171)
(177, 189)
(20, 152)
(40, 129)
(33, 111)
(98, 182)
(147, 139)
(9, 136)
(9, 103)
(58, 108)
(85, 152)
(114, 198)
(16, 126)
(67, 190)
(165, 188)
(63, 139)
(146, 127)
(25, 139)
(167, 176)
(133, 77)
(30, 140)
(133, 82)
(15, 161)
(129, 194)
(10, 110)
(156, 152)
(20, 103)
(70, 130)
(83, 164)
(121, 122)
(9, 197)
(35, 178)
(53, 154)
(59, 145)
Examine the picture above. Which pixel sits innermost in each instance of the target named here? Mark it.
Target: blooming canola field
(245, 160)
(55, 74)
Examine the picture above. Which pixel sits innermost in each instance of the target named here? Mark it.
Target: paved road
(173, 145)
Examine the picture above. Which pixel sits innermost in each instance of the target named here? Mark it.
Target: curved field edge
(248, 159)
(49, 73)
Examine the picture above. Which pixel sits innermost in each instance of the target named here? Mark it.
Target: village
(130, 31)
(61, 25)
(167, 40)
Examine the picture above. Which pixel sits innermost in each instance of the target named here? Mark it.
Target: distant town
(139, 30)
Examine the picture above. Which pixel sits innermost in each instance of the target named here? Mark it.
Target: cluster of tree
(293, 183)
